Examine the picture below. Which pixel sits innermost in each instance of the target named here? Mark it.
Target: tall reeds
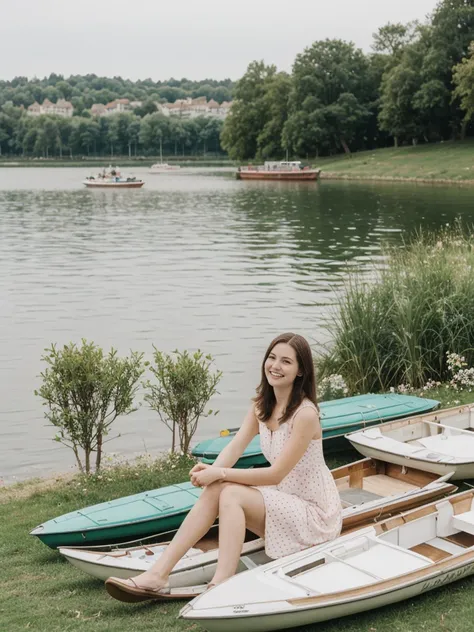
(398, 329)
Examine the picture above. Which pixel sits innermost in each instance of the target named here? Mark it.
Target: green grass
(442, 161)
(42, 592)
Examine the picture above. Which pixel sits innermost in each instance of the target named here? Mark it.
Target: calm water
(193, 260)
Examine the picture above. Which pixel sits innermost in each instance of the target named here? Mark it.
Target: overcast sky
(181, 38)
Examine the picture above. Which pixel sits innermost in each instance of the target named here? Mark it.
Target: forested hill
(84, 91)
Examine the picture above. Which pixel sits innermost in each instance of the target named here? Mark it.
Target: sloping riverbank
(442, 163)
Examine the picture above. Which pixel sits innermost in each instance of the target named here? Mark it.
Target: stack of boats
(404, 532)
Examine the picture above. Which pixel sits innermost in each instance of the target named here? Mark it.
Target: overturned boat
(397, 559)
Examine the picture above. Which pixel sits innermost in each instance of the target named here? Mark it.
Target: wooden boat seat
(464, 522)
(383, 485)
(433, 552)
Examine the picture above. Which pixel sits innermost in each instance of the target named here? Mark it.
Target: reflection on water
(195, 260)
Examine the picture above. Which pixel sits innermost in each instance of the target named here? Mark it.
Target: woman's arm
(234, 450)
(306, 427)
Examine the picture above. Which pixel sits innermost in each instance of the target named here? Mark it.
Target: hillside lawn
(447, 161)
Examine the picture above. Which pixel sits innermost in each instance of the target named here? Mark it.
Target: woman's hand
(206, 475)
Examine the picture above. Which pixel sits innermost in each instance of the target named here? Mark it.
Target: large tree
(249, 112)
(331, 98)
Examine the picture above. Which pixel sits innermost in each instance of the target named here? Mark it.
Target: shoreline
(332, 175)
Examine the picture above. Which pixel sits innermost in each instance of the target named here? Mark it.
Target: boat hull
(235, 622)
(279, 175)
(114, 185)
(459, 471)
(129, 518)
(438, 443)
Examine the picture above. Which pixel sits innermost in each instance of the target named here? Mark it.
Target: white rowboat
(439, 442)
(369, 490)
(397, 559)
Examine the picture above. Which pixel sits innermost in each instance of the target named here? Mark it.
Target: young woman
(293, 503)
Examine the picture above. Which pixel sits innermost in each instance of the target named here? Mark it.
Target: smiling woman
(293, 502)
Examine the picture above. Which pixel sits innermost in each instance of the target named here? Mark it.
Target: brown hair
(303, 386)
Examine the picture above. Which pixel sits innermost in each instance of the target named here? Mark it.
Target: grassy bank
(41, 592)
(448, 161)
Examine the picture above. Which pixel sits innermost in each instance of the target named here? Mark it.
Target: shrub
(85, 391)
(398, 328)
(332, 387)
(185, 385)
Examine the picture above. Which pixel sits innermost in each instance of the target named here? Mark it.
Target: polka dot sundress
(304, 509)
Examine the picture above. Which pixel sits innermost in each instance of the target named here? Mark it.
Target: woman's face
(281, 366)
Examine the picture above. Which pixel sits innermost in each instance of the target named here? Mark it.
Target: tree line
(118, 134)
(417, 85)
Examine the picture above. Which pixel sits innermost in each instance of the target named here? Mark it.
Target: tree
(392, 38)
(249, 112)
(185, 384)
(328, 76)
(84, 391)
(463, 79)
(276, 101)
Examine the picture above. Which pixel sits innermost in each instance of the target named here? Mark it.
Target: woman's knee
(213, 492)
(231, 494)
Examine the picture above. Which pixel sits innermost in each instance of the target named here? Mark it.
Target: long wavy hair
(303, 386)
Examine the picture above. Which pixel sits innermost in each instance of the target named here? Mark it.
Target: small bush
(185, 384)
(85, 391)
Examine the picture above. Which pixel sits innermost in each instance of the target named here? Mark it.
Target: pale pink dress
(304, 509)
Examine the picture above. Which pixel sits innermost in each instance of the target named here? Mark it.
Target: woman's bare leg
(240, 507)
(196, 524)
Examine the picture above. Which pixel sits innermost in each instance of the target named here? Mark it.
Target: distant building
(191, 108)
(114, 107)
(60, 108)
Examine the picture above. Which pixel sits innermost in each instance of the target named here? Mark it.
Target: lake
(194, 260)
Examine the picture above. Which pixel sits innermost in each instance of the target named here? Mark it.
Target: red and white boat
(283, 170)
(112, 178)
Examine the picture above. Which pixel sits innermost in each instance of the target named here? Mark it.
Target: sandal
(127, 590)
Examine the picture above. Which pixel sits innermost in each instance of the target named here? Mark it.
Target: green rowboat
(128, 518)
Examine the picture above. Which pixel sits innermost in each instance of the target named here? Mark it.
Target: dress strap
(304, 404)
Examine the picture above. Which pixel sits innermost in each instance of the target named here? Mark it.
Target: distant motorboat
(111, 177)
(282, 170)
(163, 167)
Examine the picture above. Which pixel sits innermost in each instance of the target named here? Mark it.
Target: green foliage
(85, 391)
(250, 113)
(184, 386)
(399, 329)
(463, 78)
(330, 100)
